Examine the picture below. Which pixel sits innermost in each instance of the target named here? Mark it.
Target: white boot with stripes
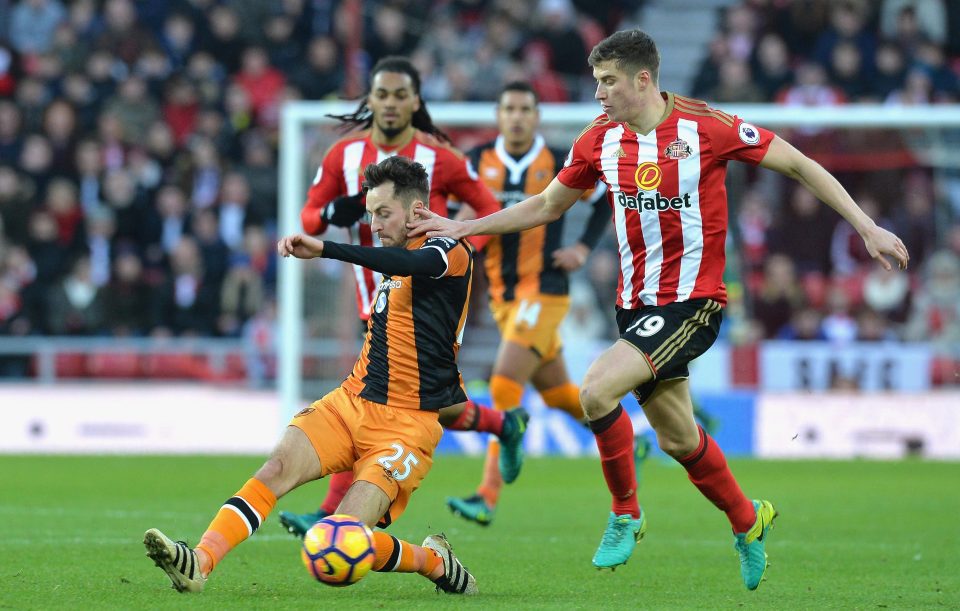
(456, 578)
(178, 561)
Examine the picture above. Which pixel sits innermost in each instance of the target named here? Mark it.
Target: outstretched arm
(539, 209)
(393, 261)
(880, 243)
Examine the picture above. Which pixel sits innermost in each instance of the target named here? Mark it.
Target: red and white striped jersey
(668, 196)
(341, 173)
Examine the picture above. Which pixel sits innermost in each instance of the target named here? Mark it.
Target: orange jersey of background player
(520, 265)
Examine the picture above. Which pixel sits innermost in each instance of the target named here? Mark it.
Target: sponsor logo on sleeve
(748, 134)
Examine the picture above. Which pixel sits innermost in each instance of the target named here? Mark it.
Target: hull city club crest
(678, 149)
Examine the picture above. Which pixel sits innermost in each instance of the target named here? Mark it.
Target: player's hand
(344, 211)
(881, 244)
(570, 258)
(435, 226)
(300, 246)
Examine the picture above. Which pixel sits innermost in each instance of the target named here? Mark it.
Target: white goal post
(294, 177)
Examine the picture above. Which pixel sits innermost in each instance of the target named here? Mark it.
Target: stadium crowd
(138, 145)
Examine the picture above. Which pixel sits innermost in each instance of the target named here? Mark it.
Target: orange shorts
(533, 323)
(390, 447)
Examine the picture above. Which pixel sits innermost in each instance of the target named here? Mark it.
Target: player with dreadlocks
(393, 120)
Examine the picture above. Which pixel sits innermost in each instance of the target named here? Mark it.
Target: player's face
(393, 101)
(617, 91)
(518, 117)
(388, 216)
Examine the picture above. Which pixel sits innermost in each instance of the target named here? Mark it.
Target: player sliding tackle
(663, 158)
(381, 423)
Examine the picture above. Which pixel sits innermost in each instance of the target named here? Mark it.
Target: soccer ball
(338, 550)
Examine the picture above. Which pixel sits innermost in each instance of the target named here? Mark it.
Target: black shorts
(670, 336)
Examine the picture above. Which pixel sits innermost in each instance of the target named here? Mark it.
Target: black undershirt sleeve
(389, 260)
(598, 222)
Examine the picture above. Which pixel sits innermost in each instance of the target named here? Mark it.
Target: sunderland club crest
(678, 149)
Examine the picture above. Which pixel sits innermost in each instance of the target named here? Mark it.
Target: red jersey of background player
(668, 196)
(341, 173)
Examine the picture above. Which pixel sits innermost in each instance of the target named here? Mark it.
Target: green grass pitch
(851, 535)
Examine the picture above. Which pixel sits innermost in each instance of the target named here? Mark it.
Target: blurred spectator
(224, 42)
(848, 72)
(242, 294)
(873, 327)
(180, 109)
(804, 325)
(213, 252)
(235, 214)
(11, 138)
(284, 50)
(60, 128)
(558, 31)
(261, 82)
(178, 39)
(779, 295)
(33, 23)
(32, 98)
(89, 174)
(935, 316)
(321, 75)
(708, 75)
(100, 231)
(848, 24)
(75, 304)
(260, 172)
(187, 303)
(839, 325)
(175, 217)
(208, 77)
(740, 31)
(16, 197)
(735, 84)
(914, 218)
(802, 232)
(205, 173)
(392, 34)
(61, 201)
(133, 108)
(909, 22)
(36, 160)
(890, 73)
(770, 64)
(121, 34)
(887, 293)
(811, 89)
(127, 298)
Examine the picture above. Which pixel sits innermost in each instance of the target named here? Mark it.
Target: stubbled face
(617, 91)
(388, 216)
(393, 101)
(518, 117)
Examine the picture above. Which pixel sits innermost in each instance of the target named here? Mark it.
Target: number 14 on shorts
(403, 471)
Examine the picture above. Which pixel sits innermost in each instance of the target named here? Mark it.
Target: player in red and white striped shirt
(663, 158)
(393, 120)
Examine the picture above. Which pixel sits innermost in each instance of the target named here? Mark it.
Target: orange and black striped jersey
(409, 356)
(520, 265)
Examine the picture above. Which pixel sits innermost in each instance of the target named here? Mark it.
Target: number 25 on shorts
(409, 462)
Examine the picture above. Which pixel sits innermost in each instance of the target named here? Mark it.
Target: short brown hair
(409, 178)
(632, 50)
